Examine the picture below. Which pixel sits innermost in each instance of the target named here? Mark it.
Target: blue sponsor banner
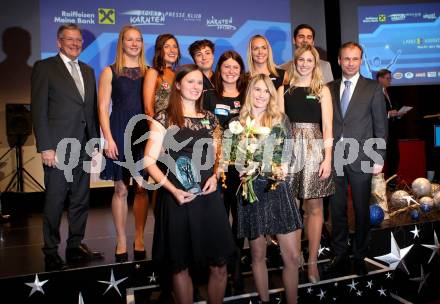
(229, 24)
(404, 39)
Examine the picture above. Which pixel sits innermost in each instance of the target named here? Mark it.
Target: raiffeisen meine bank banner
(229, 24)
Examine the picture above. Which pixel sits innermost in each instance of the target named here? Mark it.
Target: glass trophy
(186, 175)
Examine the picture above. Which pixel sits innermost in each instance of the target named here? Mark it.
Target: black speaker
(18, 123)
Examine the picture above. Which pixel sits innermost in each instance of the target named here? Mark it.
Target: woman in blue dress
(121, 83)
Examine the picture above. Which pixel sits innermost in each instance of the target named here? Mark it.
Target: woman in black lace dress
(191, 226)
(121, 83)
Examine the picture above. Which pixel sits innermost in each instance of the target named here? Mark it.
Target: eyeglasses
(70, 39)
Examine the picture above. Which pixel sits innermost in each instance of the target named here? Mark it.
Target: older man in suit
(360, 132)
(63, 105)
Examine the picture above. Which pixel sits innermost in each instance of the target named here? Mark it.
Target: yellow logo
(382, 18)
(106, 16)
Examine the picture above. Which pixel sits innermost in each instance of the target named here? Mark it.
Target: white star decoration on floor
(36, 285)
(321, 294)
(80, 299)
(352, 285)
(422, 279)
(113, 283)
(435, 247)
(369, 284)
(322, 249)
(382, 291)
(152, 278)
(415, 231)
(359, 293)
(395, 257)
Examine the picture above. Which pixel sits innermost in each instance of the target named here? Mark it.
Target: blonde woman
(275, 212)
(121, 83)
(307, 102)
(260, 61)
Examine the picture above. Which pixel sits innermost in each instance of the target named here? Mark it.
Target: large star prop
(113, 283)
(435, 248)
(37, 285)
(395, 257)
(415, 231)
(422, 279)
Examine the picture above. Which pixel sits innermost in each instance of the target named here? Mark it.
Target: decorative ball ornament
(376, 215)
(426, 203)
(436, 200)
(421, 187)
(415, 215)
(399, 199)
(435, 188)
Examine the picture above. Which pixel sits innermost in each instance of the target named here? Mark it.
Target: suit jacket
(365, 118)
(58, 110)
(325, 67)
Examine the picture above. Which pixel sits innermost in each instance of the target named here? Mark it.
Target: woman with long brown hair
(191, 225)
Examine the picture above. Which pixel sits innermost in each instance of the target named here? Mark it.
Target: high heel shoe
(313, 278)
(139, 255)
(121, 257)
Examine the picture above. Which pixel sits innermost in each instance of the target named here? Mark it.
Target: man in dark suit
(63, 105)
(359, 119)
(393, 155)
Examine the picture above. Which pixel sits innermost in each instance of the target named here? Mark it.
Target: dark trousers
(360, 183)
(57, 190)
(393, 154)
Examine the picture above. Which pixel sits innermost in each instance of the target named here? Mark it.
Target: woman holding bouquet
(307, 102)
(191, 226)
(274, 212)
(260, 61)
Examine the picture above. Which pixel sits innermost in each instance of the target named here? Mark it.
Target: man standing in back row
(359, 117)
(302, 35)
(63, 105)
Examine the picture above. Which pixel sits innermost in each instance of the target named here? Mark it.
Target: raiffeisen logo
(106, 16)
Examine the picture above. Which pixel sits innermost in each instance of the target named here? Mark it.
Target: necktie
(76, 78)
(345, 100)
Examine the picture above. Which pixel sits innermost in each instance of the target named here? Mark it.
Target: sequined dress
(161, 97)
(304, 112)
(275, 211)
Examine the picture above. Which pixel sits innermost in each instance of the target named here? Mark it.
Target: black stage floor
(22, 267)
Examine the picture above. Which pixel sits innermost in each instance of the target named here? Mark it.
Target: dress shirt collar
(353, 80)
(66, 59)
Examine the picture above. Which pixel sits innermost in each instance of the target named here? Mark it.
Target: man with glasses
(63, 105)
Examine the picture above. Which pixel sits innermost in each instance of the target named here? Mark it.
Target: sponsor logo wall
(229, 24)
